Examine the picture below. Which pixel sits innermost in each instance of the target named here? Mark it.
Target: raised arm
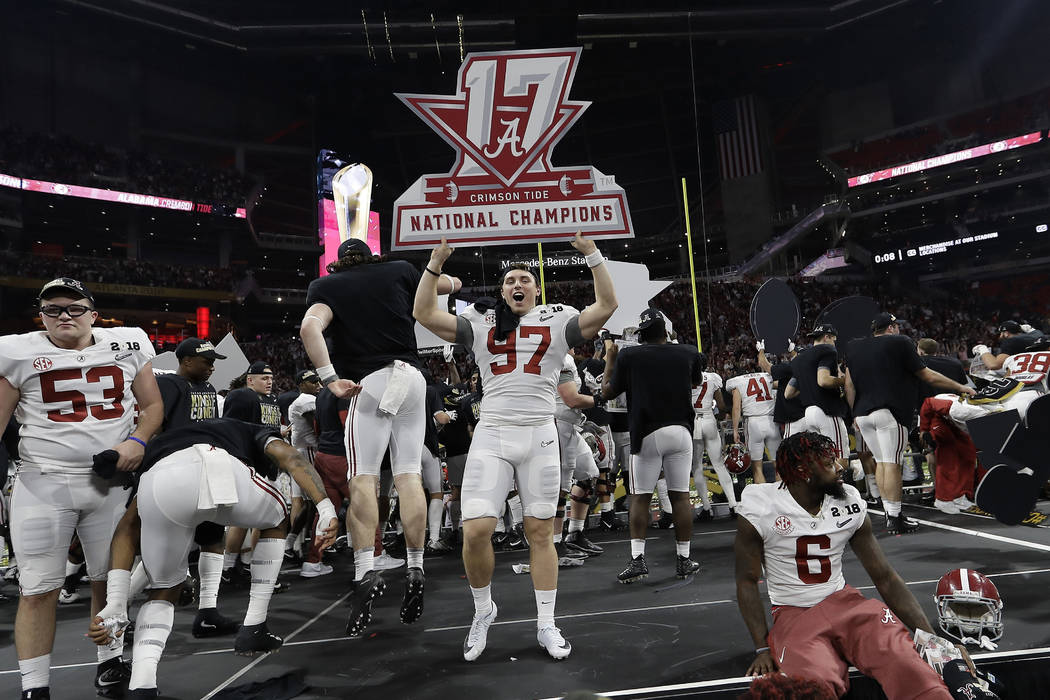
(748, 548)
(425, 309)
(597, 314)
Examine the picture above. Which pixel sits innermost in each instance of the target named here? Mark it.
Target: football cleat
(67, 597)
(237, 576)
(577, 542)
(365, 592)
(478, 636)
(608, 521)
(900, 525)
(551, 639)
(703, 515)
(384, 561)
(665, 522)
(636, 570)
(684, 566)
(292, 558)
(36, 694)
(437, 548)
(564, 552)
(111, 678)
(209, 622)
(256, 639)
(412, 605)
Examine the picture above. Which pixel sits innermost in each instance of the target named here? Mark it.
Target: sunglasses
(74, 310)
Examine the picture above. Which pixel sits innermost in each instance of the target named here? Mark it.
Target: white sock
(228, 560)
(661, 492)
(289, 541)
(266, 564)
(873, 486)
(71, 568)
(105, 653)
(482, 600)
(435, 509)
(893, 508)
(606, 507)
(209, 568)
(557, 536)
(364, 561)
(637, 548)
(246, 555)
(152, 627)
(139, 580)
(682, 548)
(297, 544)
(36, 672)
(414, 555)
(514, 503)
(700, 481)
(545, 608)
(575, 525)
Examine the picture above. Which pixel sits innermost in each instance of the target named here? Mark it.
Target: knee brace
(605, 485)
(585, 486)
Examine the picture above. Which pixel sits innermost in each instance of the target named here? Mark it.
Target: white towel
(401, 376)
(218, 486)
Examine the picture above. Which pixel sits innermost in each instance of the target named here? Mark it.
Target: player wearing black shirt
(882, 386)
(455, 435)
(950, 367)
(254, 403)
(217, 470)
(658, 377)
(365, 307)
(817, 384)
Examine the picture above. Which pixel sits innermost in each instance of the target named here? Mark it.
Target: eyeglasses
(74, 310)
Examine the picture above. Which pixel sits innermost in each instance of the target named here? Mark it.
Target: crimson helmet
(969, 606)
(738, 460)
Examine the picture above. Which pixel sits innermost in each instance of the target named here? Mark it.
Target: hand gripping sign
(509, 112)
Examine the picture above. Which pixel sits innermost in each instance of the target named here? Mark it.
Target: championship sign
(509, 112)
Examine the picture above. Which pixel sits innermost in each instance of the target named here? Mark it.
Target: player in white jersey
(753, 400)
(73, 389)
(577, 463)
(706, 435)
(1030, 368)
(793, 535)
(519, 348)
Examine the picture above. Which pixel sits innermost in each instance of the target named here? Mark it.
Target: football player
(379, 371)
(753, 401)
(73, 388)
(706, 435)
(301, 414)
(519, 347)
(222, 471)
(576, 462)
(793, 535)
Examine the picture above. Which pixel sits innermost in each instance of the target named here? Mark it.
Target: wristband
(327, 374)
(761, 650)
(132, 437)
(451, 282)
(325, 513)
(594, 259)
(436, 274)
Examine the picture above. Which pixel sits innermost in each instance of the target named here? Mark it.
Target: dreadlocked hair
(797, 451)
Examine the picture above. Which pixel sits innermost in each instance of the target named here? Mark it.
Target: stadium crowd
(146, 273)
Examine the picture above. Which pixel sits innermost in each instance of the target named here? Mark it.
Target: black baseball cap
(354, 246)
(1010, 327)
(259, 367)
(882, 321)
(195, 347)
(307, 375)
(649, 317)
(65, 285)
(822, 329)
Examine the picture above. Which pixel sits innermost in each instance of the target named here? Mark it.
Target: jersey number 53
(50, 393)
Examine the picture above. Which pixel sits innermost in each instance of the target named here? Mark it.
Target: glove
(979, 350)
(760, 346)
(105, 463)
(791, 346)
(590, 427)
(447, 352)
(451, 416)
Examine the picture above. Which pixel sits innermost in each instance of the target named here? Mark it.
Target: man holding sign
(519, 348)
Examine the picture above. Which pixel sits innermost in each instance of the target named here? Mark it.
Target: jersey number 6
(803, 558)
(115, 394)
(509, 348)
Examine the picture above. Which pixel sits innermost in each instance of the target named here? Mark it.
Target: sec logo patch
(782, 525)
(42, 364)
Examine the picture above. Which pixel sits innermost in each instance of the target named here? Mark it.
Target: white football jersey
(520, 374)
(303, 435)
(74, 403)
(756, 393)
(704, 395)
(1029, 368)
(802, 553)
(569, 374)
